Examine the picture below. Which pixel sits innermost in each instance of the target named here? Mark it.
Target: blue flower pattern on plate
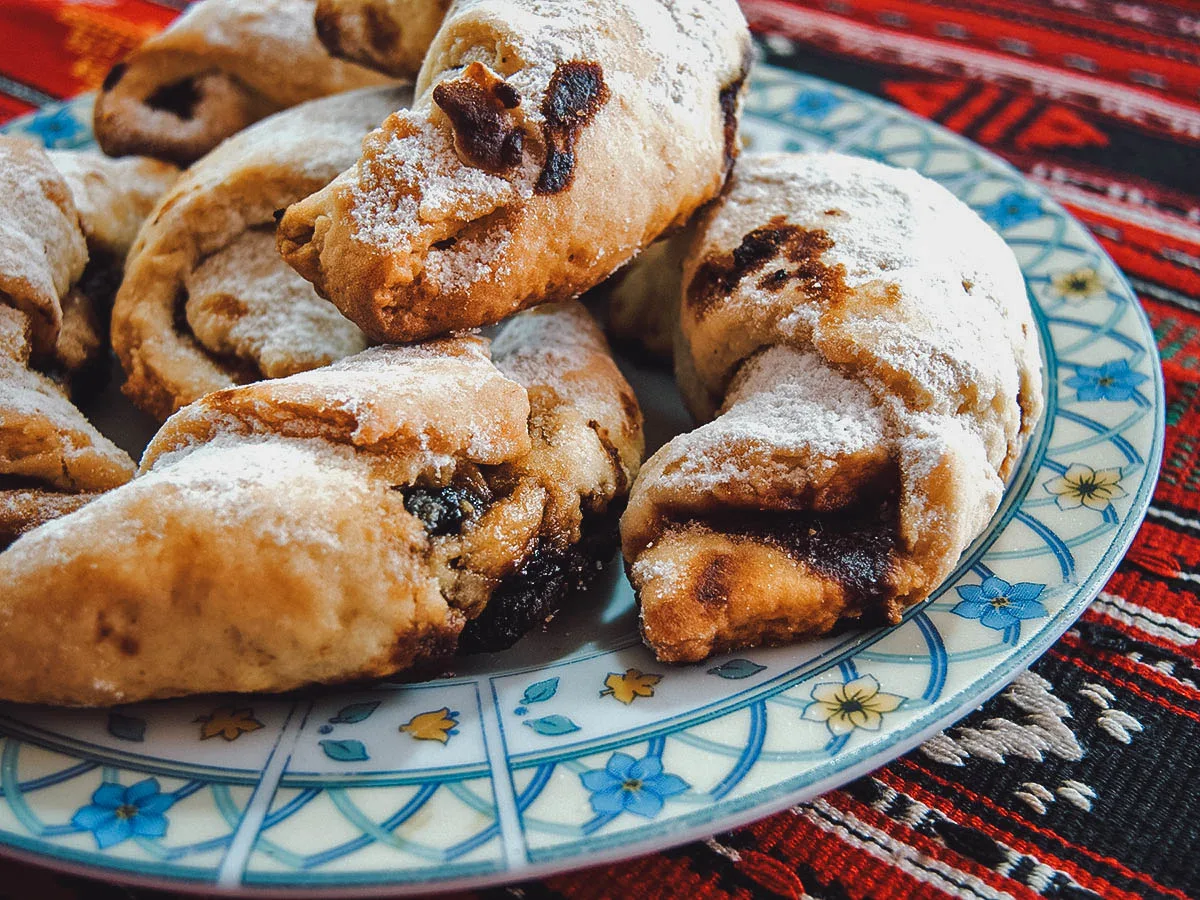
(1112, 381)
(638, 786)
(118, 813)
(998, 604)
(815, 104)
(1011, 209)
(57, 129)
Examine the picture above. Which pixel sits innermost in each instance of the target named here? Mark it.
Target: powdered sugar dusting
(245, 300)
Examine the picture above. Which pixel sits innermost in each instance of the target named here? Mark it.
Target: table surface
(1081, 783)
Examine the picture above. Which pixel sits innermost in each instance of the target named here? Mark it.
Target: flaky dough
(221, 66)
(547, 145)
(207, 302)
(341, 523)
(389, 36)
(866, 345)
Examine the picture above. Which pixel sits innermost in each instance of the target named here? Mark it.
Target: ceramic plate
(576, 747)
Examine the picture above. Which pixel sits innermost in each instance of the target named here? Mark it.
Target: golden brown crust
(370, 509)
(206, 301)
(389, 36)
(113, 196)
(512, 181)
(221, 66)
(871, 390)
(50, 455)
(42, 250)
(643, 298)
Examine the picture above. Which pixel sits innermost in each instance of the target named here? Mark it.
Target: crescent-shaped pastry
(53, 311)
(548, 144)
(113, 198)
(342, 523)
(207, 301)
(222, 65)
(867, 347)
(389, 36)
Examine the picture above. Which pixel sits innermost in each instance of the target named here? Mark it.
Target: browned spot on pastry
(719, 275)
(487, 134)
(114, 76)
(614, 455)
(834, 212)
(712, 585)
(382, 32)
(178, 98)
(576, 93)
(728, 99)
(129, 646)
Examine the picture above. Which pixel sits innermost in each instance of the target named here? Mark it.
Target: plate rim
(727, 813)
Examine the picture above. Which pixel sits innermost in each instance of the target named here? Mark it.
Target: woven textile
(1080, 779)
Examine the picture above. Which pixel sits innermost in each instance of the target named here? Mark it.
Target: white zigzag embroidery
(1042, 730)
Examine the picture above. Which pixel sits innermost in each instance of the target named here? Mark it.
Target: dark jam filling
(441, 510)
(179, 98)
(852, 546)
(532, 596)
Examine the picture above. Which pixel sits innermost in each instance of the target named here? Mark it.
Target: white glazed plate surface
(576, 747)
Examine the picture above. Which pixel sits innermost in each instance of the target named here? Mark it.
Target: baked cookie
(207, 301)
(389, 36)
(379, 511)
(867, 347)
(548, 144)
(222, 65)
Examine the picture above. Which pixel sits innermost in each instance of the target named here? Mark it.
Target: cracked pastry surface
(548, 144)
(374, 509)
(389, 36)
(207, 301)
(219, 67)
(861, 349)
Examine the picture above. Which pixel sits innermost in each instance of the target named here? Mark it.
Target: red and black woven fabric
(1081, 779)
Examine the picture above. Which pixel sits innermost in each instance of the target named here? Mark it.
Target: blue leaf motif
(540, 692)
(552, 725)
(126, 728)
(736, 668)
(345, 751)
(355, 712)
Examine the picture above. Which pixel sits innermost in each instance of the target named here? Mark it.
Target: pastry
(113, 198)
(641, 301)
(219, 67)
(207, 301)
(866, 345)
(386, 35)
(373, 509)
(547, 145)
(51, 458)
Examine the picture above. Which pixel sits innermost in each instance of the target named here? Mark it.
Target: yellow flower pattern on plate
(1077, 285)
(228, 722)
(629, 686)
(846, 706)
(436, 725)
(1084, 486)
